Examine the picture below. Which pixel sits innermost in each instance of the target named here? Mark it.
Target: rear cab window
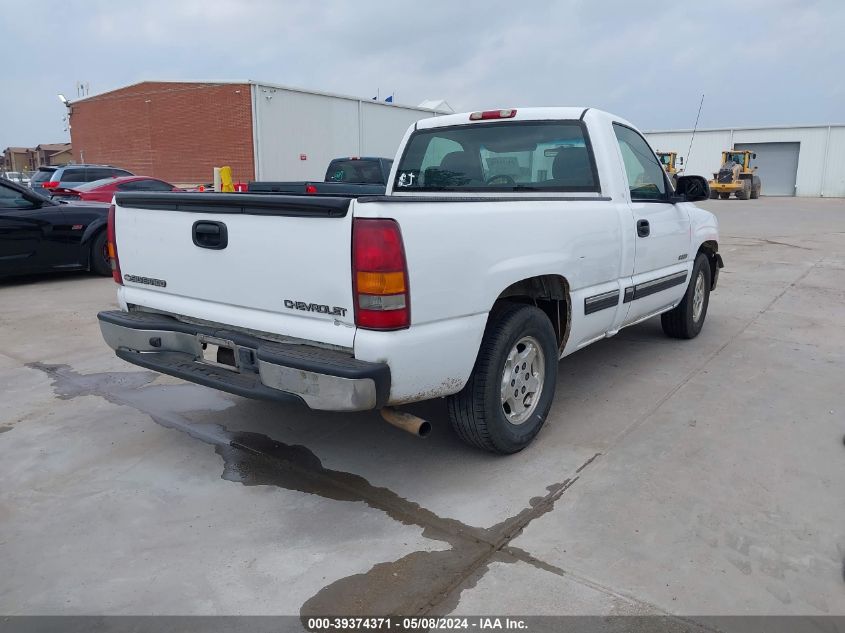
(499, 157)
(355, 171)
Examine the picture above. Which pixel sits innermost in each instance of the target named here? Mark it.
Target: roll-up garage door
(777, 166)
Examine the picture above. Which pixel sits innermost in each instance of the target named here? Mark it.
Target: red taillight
(310, 189)
(379, 275)
(50, 184)
(111, 245)
(492, 114)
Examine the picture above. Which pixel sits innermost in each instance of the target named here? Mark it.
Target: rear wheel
(755, 192)
(687, 319)
(714, 194)
(508, 396)
(100, 263)
(745, 192)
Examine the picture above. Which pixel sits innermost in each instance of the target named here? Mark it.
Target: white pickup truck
(506, 240)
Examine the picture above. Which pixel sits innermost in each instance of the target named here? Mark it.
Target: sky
(757, 62)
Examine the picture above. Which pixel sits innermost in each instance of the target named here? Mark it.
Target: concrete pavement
(694, 478)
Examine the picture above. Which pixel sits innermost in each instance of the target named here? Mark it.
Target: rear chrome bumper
(323, 379)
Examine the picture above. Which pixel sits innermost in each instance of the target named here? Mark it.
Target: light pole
(66, 104)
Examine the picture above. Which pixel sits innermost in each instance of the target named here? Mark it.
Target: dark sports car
(40, 235)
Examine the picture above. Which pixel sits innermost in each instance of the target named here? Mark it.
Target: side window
(132, 185)
(645, 174)
(74, 175)
(12, 199)
(98, 173)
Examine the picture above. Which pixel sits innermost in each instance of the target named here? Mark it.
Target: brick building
(175, 131)
(180, 131)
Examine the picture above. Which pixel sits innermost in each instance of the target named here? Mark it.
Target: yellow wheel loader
(736, 176)
(670, 160)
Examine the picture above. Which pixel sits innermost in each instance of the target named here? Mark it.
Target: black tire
(681, 321)
(100, 263)
(745, 192)
(477, 413)
(755, 193)
(714, 195)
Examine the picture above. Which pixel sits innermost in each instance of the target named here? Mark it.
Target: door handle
(643, 228)
(208, 234)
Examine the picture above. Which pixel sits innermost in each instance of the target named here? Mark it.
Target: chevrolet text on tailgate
(506, 240)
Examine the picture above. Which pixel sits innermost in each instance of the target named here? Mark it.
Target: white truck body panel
(462, 252)
(245, 284)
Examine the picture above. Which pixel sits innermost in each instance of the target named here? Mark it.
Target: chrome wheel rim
(698, 297)
(522, 380)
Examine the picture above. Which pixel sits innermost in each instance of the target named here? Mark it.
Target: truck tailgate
(280, 264)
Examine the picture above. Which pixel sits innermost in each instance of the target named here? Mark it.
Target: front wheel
(508, 396)
(687, 318)
(100, 263)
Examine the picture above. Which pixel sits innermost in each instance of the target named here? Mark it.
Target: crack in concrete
(413, 584)
(757, 241)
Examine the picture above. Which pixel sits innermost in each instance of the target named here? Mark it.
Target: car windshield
(666, 159)
(42, 175)
(503, 156)
(94, 184)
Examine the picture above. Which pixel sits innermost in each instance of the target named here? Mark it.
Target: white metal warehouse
(326, 126)
(801, 160)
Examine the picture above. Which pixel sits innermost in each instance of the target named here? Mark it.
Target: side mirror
(680, 160)
(692, 189)
(754, 155)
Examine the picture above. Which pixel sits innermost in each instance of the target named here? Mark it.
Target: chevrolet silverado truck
(352, 176)
(506, 240)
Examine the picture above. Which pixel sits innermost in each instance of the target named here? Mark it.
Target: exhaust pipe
(406, 421)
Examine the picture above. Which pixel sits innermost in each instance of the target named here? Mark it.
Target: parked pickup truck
(353, 176)
(506, 240)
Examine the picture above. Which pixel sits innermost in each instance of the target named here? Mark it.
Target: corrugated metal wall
(290, 123)
(821, 160)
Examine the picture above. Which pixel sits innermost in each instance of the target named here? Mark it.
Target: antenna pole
(695, 127)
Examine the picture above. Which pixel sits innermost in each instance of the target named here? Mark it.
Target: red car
(103, 190)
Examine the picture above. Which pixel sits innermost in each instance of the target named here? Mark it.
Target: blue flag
(389, 99)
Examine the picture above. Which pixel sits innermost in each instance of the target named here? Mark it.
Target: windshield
(666, 159)
(737, 157)
(512, 156)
